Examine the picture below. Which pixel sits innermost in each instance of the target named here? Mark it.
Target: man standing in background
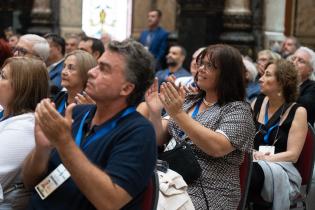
(155, 37)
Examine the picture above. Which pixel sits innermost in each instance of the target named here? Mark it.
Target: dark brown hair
(231, 77)
(29, 79)
(287, 76)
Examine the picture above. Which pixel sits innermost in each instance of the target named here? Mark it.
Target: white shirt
(16, 142)
(186, 81)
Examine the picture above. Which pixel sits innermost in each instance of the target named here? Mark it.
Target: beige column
(237, 7)
(40, 17)
(70, 17)
(273, 23)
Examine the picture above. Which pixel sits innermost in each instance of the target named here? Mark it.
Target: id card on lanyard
(58, 176)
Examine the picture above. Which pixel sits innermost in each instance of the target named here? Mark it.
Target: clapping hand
(172, 98)
(152, 99)
(51, 125)
(83, 99)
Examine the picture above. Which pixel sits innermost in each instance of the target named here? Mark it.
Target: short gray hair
(311, 54)
(251, 68)
(40, 45)
(139, 67)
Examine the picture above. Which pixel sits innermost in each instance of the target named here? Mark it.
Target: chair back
(305, 163)
(245, 174)
(151, 194)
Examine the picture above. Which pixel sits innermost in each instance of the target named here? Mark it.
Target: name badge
(56, 178)
(267, 149)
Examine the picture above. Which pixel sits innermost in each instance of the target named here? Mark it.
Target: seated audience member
(73, 79)
(93, 46)
(289, 46)
(106, 38)
(304, 61)
(13, 40)
(263, 58)
(5, 51)
(23, 84)
(55, 60)
(104, 148)
(32, 45)
(252, 89)
(174, 61)
(72, 43)
(190, 80)
(216, 121)
(281, 127)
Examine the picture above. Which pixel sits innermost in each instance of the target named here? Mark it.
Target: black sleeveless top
(279, 134)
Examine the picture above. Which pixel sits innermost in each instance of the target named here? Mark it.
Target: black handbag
(182, 160)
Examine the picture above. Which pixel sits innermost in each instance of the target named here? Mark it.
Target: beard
(171, 62)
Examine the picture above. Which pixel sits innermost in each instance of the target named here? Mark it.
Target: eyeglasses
(206, 66)
(20, 51)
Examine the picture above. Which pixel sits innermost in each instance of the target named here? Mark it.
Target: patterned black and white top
(220, 176)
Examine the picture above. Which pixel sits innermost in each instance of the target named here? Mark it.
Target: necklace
(207, 103)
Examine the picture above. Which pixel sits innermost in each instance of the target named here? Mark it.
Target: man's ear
(96, 54)
(127, 88)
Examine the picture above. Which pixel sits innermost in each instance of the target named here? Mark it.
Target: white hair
(311, 54)
(40, 45)
(251, 68)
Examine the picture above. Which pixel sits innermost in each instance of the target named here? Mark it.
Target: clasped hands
(261, 155)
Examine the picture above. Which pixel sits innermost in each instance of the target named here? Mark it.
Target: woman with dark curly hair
(281, 126)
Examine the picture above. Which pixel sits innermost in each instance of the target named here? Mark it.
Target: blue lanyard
(103, 131)
(62, 105)
(196, 110)
(193, 115)
(2, 118)
(266, 136)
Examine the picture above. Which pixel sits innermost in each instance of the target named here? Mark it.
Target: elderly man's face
(71, 45)
(23, 48)
(301, 60)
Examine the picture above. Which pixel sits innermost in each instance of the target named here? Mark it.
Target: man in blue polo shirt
(97, 156)
(174, 59)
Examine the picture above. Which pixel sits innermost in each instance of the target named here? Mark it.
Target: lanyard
(2, 118)
(62, 105)
(266, 136)
(101, 132)
(193, 115)
(196, 110)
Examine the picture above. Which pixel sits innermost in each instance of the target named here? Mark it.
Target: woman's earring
(279, 94)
